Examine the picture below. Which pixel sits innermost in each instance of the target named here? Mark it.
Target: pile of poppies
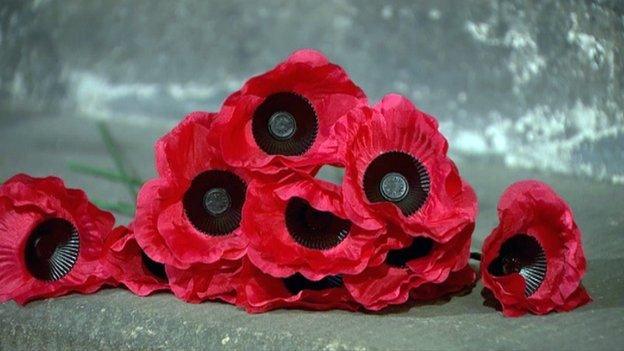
(238, 212)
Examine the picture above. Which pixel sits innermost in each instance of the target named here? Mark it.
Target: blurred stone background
(535, 84)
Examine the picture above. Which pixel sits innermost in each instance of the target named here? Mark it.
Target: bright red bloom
(261, 292)
(201, 282)
(130, 266)
(421, 262)
(284, 117)
(533, 261)
(51, 240)
(191, 213)
(397, 170)
(299, 226)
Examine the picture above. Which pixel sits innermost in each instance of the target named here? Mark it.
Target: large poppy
(418, 268)
(192, 212)
(298, 226)
(131, 266)
(533, 260)
(51, 240)
(284, 117)
(397, 171)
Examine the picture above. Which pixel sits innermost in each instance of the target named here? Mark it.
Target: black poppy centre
(398, 178)
(312, 228)
(52, 249)
(214, 201)
(285, 124)
(521, 254)
(297, 283)
(420, 247)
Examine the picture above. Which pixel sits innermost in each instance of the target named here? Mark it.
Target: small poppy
(51, 240)
(533, 261)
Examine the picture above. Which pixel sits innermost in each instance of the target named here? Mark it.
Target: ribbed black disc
(157, 269)
(52, 249)
(214, 201)
(524, 255)
(285, 124)
(312, 228)
(297, 282)
(399, 178)
(420, 247)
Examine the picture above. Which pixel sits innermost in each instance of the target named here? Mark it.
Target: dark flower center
(297, 282)
(420, 247)
(524, 255)
(312, 228)
(157, 269)
(52, 249)
(399, 178)
(214, 201)
(285, 123)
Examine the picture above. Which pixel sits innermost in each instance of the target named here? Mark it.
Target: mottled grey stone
(538, 83)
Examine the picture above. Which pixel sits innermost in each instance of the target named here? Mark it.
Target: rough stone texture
(115, 319)
(538, 83)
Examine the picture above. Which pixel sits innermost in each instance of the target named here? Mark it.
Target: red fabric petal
(307, 73)
(273, 249)
(456, 282)
(533, 208)
(126, 265)
(24, 203)
(395, 124)
(261, 292)
(202, 282)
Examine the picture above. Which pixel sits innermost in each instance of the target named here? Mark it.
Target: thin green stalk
(120, 207)
(102, 173)
(116, 155)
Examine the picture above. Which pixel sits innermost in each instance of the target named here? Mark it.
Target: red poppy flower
(129, 265)
(421, 262)
(284, 116)
(299, 226)
(201, 282)
(261, 292)
(397, 170)
(51, 240)
(533, 261)
(192, 212)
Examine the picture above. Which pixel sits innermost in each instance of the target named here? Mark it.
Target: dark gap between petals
(314, 229)
(297, 282)
(420, 247)
(157, 269)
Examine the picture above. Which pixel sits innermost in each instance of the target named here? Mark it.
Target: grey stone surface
(538, 83)
(115, 319)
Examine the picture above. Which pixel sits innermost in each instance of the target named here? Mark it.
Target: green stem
(103, 173)
(113, 150)
(121, 207)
